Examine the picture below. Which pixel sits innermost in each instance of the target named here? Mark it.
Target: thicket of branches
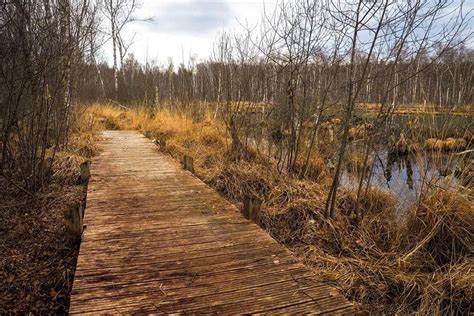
(43, 44)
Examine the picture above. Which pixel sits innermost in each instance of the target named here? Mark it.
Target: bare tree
(119, 14)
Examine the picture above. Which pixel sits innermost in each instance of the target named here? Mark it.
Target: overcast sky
(182, 28)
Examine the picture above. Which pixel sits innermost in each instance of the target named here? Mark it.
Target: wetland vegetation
(351, 121)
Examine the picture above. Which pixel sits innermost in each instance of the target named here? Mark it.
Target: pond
(405, 176)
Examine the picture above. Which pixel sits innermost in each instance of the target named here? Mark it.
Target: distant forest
(444, 81)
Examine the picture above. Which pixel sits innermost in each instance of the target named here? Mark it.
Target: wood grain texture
(158, 240)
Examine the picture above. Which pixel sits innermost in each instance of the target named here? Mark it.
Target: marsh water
(406, 175)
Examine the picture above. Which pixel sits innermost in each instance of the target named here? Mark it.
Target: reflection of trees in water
(403, 162)
(403, 175)
(391, 159)
(409, 173)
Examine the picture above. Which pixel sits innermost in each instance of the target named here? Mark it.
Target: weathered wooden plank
(198, 272)
(132, 255)
(171, 245)
(171, 232)
(158, 240)
(247, 297)
(170, 238)
(176, 288)
(224, 261)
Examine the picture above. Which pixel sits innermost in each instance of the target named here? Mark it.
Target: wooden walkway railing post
(252, 209)
(85, 172)
(74, 222)
(188, 163)
(162, 142)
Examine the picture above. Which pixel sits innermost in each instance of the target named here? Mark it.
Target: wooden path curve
(158, 240)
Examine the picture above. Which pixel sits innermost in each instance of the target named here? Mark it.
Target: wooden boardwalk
(158, 240)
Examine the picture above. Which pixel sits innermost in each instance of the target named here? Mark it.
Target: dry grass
(422, 263)
(403, 146)
(440, 230)
(316, 169)
(360, 131)
(447, 145)
(376, 201)
(421, 109)
(355, 163)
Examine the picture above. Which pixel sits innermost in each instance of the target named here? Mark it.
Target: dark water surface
(406, 175)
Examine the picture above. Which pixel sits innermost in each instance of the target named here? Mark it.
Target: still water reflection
(406, 175)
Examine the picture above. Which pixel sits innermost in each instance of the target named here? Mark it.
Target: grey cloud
(191, 17)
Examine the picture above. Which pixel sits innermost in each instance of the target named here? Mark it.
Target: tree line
(444, 83)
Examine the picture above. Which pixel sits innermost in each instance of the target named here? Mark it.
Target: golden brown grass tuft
(440, 231)
(360, 131)
(81, 145)
(449, 144)
(373, 202)
(316, 169)
(235, 180)
(292, 209)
